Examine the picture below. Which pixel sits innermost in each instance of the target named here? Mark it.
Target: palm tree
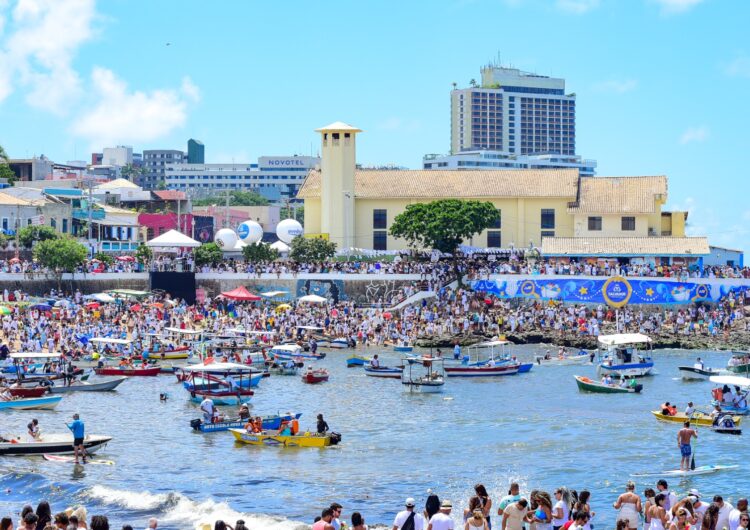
(455, 85)
(3, 154)
(473, 83)
(132, 172)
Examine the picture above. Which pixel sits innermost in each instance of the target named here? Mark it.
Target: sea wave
(175, 509)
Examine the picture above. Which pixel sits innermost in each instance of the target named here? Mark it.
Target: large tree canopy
(60, 255)
(444, 224)
(260, 253)
(208, 254)
(311, 250)
(236, 198)
(29, 234)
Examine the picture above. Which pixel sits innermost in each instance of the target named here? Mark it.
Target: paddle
(692, 460)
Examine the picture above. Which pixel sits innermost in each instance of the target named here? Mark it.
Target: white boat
(338, 344)
(55, 444)
(387, 372)
(85, 386)
(693, 373)
(424, 375)
(564, 359)
(489, 365)
(620, 356)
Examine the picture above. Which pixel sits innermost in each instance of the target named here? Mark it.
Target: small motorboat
(284, 369)
(54, 444)
(312, 377)
(724, 424)
(481, 370)
(693, 373)
(45, 402)
(338, 344)
(698, 418)
(403, 348)
(357, 360)
(223, 397)
(275, 440)
(589, 385)
(269, 423)
(85, 386)
(387, 372)
(582, 357)
(129, 372)
(182, 352)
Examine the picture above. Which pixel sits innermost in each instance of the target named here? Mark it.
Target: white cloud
(694, 134)
(37, 54)
(616, 86)
(578, 7)
(673, 7)
(123, 116)
(738, 67)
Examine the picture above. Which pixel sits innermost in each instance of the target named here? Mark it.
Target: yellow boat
(698, 418)
(169, 355)
(300, 440)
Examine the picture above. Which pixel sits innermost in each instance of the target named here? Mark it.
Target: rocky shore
(736, 340)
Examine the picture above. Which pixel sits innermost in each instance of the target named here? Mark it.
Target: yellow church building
(555, 209)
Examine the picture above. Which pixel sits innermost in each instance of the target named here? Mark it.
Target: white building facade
(484, 160)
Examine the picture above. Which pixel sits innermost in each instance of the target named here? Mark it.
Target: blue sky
(660, 83)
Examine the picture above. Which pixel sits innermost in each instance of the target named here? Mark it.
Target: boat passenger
(727, 395)
(699, 364)
(716, 412)
(375, 362)
(285, 429)
(244, 412)
(209, 410)
(34, 431)
(258, 425)
(668, 410)
(295, 425)
(689, 410)
(322, 425)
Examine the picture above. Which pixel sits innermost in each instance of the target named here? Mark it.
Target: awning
(173, 239)
(240, 293)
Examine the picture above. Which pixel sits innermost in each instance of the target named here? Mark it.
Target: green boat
(739, 364)
(588, 385)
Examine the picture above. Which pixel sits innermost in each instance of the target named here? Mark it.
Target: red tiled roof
(170, 195)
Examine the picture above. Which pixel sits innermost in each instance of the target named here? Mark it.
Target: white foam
(176, 508)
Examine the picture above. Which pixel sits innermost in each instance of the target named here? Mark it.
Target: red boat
(130, 372)
(315, 376)
(32, 392)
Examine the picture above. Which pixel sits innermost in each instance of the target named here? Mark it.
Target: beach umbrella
(283, 307)
(135, 307)
(5, 310)
(312, 299)
(14, 260)
(42, 307)
(125, 258)
(387, 315)
(92, 305)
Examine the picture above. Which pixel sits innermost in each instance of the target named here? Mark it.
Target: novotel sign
(284, 162)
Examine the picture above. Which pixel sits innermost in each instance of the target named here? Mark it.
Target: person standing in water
(78, 429)
(684, 436)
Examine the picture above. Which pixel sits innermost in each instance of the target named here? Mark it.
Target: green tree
(4, 241)
(132, 173)
(143, 254)
(297, 214)
(311, 250)
(104, 258)
(60, 255)
(236, 198)
(260, 253)
(208, 254)
(5, 171)
(30, 234)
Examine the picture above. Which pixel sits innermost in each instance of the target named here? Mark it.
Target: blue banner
(615, 291)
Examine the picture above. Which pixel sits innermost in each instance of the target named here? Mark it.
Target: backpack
(409, 523)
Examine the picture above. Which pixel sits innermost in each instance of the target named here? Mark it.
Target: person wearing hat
(699, 508)
(442, 520)
(408, 519)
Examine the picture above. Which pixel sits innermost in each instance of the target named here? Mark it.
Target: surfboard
(71, 460)
(700, 470)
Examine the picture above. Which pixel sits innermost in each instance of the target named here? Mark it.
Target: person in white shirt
(403, 516)
(690, 409)
(207, 406)
(581, 520)
(663, 487)
(152, 524)
(442, 520)
(736, 513)
(724, 510)
(698, 364)
(699, 508)
(514, 515)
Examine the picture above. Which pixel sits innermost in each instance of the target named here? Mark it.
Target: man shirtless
(684, 436)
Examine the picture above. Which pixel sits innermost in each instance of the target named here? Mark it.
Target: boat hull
(481, 371)
(600, 388)
(627, 370)
(690, 373)
(171, 355)
(34, 392)
(223, 398)
(699, 419)
(572, 360)
(355, 361)
(386, 373)
(312, 378)
(301, 440)
(104, 386)
(60, 445)
(269, 423)
(41, 403)
(129, 372)
(740, 369)
(424, 388)
(404, 349)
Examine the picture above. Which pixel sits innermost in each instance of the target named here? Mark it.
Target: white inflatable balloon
(288, 229)
(226, 239)
(250, 232)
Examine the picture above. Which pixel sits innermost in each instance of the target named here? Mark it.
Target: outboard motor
(196, 423)
(335, 438)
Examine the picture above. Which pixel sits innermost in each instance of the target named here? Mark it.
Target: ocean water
(534, 428)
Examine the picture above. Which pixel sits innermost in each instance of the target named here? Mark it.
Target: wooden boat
(357, 360)
(269, 423)
(337, 344)
(424, 375)
(85, 386)
(481, 370)
(47, 402)
(32, 392)
(404, 349)
(525, 367)
(312, 377)
(625, 354)
(130, 372)
(692, 373)
(223, 397)
(208, 380)
(292, 351)
(300, 440)
(588, 385)
(732, 408)
(183, 352)
(579, 358)
(57, 444)
(386, 372)
(698, 418)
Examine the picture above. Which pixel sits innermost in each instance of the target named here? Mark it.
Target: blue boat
(525, 367)
(403, 348)
(356, 360)
(208, 382)
(734, 409)
(270, 423)
(620, 356)
(292, 351)
(48, 402)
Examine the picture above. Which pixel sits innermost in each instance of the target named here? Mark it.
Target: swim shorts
(685, 449)
(77, 441)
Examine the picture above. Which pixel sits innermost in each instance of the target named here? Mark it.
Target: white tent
(280, 246)
(173, 239)
(312, 299)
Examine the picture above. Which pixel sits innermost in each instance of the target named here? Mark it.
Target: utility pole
(179, 229)
(226, 209)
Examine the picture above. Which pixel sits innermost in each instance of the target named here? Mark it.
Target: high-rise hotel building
(515, 112)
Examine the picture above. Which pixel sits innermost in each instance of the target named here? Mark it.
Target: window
(380, 219)
(499, 222)
(493, 239)
(595, 223)
(628, 223)
(380, 240)
(548, 218)
(548, 233)
(64, 226)
(5, 223)
(53, 222)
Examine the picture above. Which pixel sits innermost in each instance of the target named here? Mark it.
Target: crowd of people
(473, 267)
(657, 508)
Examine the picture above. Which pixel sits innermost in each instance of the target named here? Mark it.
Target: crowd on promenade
(658, 508)
(472, 267)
